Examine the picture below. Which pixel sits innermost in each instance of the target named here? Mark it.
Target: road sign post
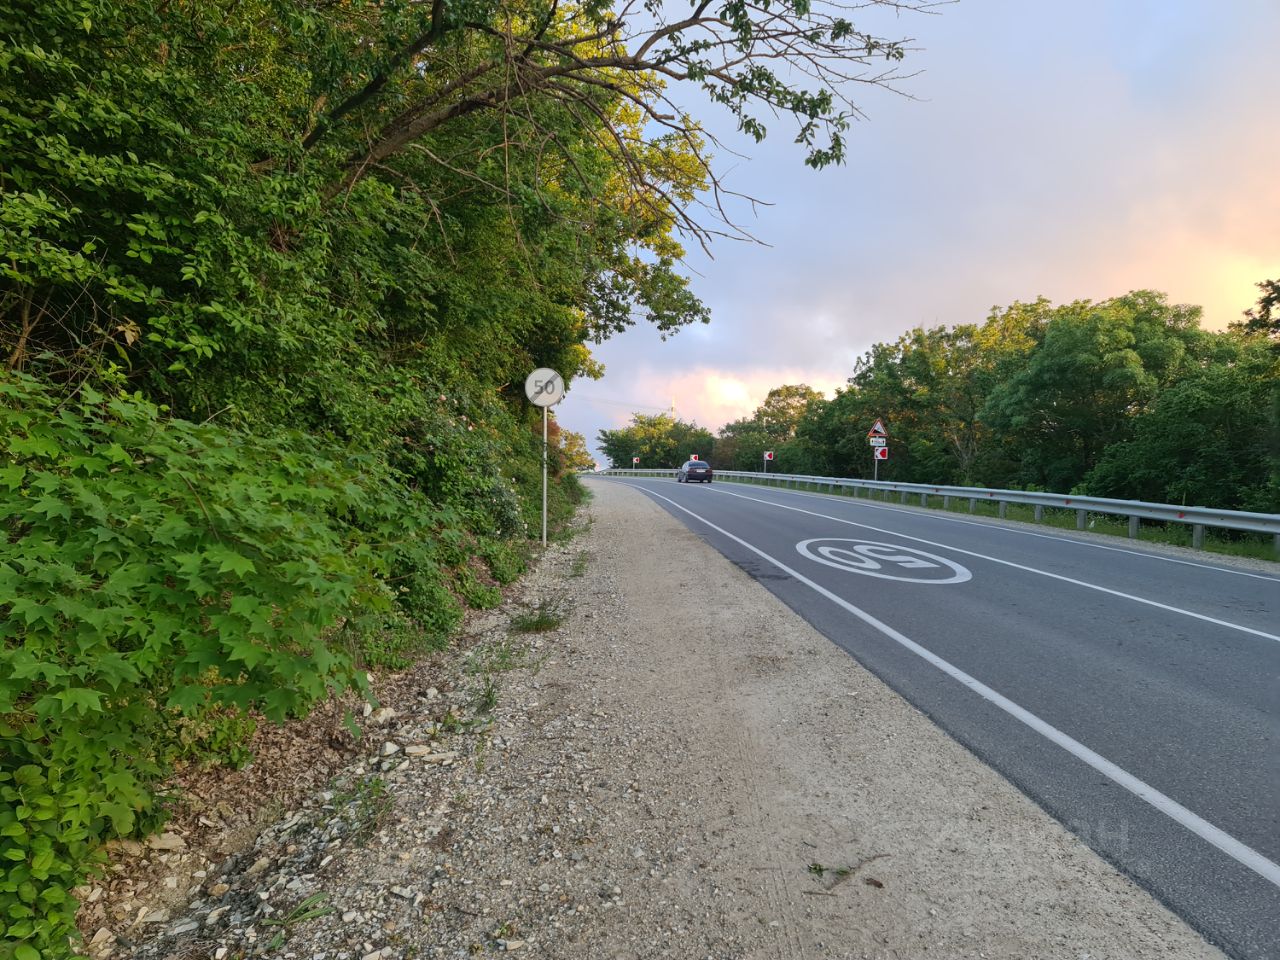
(878, 454)
(768, 455)
(544, 388)
(878, 438)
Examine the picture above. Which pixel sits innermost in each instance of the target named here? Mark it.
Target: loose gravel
(680, 767)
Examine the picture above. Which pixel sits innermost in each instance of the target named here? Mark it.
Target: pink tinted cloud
(704, 396)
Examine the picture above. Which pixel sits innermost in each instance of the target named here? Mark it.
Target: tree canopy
(1126, 398)
(335, 236)
(659, 440)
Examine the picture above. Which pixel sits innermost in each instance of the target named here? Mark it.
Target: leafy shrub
(475, 592)
(396, 643)
(506, 560)
(147, 566)
(218, 736)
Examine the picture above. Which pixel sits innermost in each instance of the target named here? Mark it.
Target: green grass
(487, 698)
(309, 909)
(499, 657)
(546, 616)
(366, 804)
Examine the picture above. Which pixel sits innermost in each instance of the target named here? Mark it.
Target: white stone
(167, 841)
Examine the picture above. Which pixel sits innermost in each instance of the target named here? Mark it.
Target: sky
(1075, 149)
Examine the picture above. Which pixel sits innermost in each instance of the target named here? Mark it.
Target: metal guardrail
(1198, 518)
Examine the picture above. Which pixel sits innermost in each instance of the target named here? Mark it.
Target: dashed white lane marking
(1238, 851)
(1017, 566)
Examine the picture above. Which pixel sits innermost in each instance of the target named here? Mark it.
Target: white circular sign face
(888, 561)
(544, 387)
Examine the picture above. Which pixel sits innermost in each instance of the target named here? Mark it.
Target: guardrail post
(1082, 518)
(904, 496)
(973, 504)
(1039, 512)
(1133, 527)
(946, 503)
(924, 499)
(1004, 507)
(1197, 536)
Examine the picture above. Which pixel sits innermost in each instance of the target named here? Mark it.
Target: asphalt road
(1133, 695)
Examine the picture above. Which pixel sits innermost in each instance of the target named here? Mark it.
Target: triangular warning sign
(877, 429)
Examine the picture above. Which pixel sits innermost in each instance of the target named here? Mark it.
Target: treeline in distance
(1126, 398)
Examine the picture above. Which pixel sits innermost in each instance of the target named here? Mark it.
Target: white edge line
(1017, 566)
(1202, 828)
(937, 515)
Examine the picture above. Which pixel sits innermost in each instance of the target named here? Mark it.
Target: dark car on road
(693, 470)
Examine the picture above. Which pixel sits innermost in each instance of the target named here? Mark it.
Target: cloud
(1129, 145)
(706, 396)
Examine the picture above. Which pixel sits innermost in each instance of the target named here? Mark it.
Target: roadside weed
(488, 698)
(547, 615)
(308, 909)
(365, 804)
(499, 657)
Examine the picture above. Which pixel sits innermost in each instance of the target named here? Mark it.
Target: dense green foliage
(155, 568)
(272, 274)
(660, 441)
(1126, 398)
(773, 427)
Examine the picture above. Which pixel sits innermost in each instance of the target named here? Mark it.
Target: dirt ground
(679, 766)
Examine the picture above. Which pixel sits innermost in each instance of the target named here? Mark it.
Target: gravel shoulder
(681, 767)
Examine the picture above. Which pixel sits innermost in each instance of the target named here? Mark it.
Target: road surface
(1134, 695)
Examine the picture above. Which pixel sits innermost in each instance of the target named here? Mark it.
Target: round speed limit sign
(544, 387)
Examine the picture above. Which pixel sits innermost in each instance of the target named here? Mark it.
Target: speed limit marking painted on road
(888, 561)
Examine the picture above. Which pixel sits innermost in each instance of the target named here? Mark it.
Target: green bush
(218, 736)
(151, 567)
(477, 594)
(506, 560)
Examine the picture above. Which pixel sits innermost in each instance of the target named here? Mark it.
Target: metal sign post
(544, 388)
(878, 438)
